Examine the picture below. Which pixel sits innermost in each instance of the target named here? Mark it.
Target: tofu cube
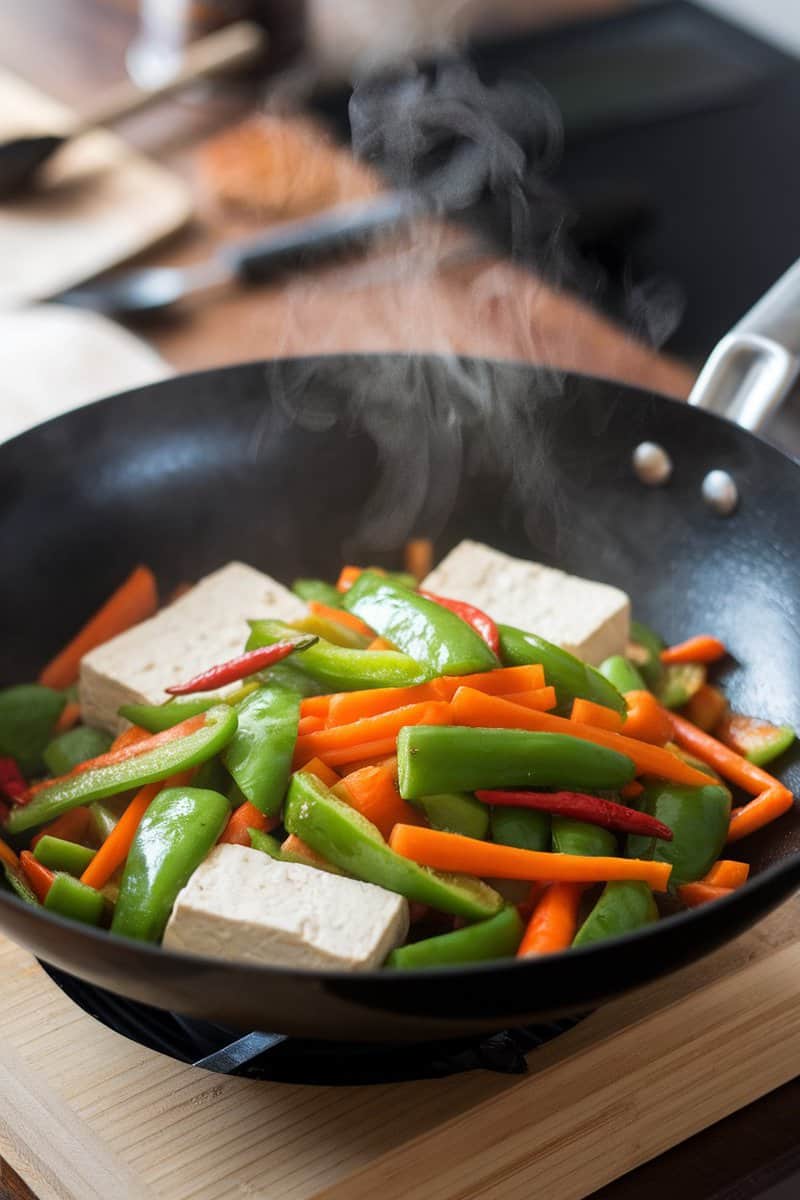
(590, 620)
(244, 906)
(206, 626)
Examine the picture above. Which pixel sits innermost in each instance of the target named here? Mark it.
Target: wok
(296, 465)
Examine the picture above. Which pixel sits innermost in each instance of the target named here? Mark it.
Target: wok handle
(750, 372)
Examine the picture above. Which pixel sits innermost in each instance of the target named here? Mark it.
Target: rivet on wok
(652, 464)
(720, 492)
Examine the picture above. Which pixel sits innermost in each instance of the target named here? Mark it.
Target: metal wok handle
(751, 370)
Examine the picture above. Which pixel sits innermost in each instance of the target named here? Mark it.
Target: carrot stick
(246, 816)
(72, 826)
(706, 708)
(727, 874)
(310, 725)
(494, 683)
(132, 602)
(7, 855)
(323, 772)
(695, 894)
(554, 922)
(419, 557)
(541, 700)
(454, 852)
(129, 737)
(472, 708)
(40, 878)
(315, 706)
(349, 620)
(373, 760)
(70, 715)
(647, 720)
(727, 762)
(372, 791)
(348, 576)
(370, 729)
(114, 849)
(363, 754)
(772, 803)
(295, 845)
(346, 707)
(380, 643)
(589, 713)
(701, 649)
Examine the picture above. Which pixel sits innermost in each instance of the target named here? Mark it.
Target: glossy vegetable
(772, 803)
(701, 649)
(28, 714)
(622, 908)
(317, 589)
(69, 897)
(434, 759)
(578, 837)
(335, 632)
(12, 781)
(341, 670)
(259, 754)
(243, 820)
(698, 818)
(727, 762)
(579, 807)
(679, 683)
(421, 628)
(176, 833)
(459, 812)
(73, 747)
(58, 855)
(644, 650)
(157, 717)
(647, 720)
(621, 672)
(554, 920)
(242, 666)
(372, 791)
(520, 827)
(498, 937)
(345, 838)
(758, 741)
(568, 675)
(480, 621)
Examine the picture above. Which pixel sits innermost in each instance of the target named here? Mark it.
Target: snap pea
(525, 828)
(698, 818)
(339, 669)
(456, 812)
(74, 747)
(332, 631)
(70, 898)
(621, 672)
(157, 717)
(567, 674)
(579, 837)
(259, 754)
(60, 855)
(499, 937)
(28, 713)
(624, 905)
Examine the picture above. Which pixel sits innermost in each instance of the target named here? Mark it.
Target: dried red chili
(581, 807)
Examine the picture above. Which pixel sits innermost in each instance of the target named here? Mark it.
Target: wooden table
(73, 48)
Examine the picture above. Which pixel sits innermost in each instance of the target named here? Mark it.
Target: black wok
(278, 464)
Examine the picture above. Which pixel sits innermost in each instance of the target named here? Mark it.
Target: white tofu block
(590, 620)
(242, 905)
(206, 626)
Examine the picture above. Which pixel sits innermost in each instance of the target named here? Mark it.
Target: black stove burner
(303, 1060)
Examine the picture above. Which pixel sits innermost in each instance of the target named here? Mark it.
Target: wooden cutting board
(99, 203)
(87, 1115)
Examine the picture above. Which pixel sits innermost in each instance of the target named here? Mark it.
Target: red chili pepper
(583, 808)
(480, 621)
(242, 666)
(12, 782)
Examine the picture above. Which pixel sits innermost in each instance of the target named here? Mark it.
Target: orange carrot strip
(727, 874)
(542, 699)
(494, 683)
(695, 894)
(589, 713)
(454, 852)
(647, 720)
(706, 708)
(315, 766)
(374, 760)
(772, 803)
(114, 849)
(315, 706)
(132, 602)
(554, 922)
(701, 649)
(72, 826)
(7, 855)
(419, 557)
(631, 790)
(372, 791)
(348, 576)
(362, 755)
(246, 816)
(40, 878)
(70, 715)
(349, 620)
(473, 708)
(370, 729)
(129, 737)
(346, 707)
(380, 643)
(310, 725)
(295, 845)
(727, 762)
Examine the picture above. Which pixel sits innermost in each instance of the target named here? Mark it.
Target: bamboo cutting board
(87, 1115)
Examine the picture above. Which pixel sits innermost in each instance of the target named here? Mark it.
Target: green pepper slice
(61, 855)
(426, 631)
(579, 837)
(102, 822)
(259, 755)
(319, 590)
(349, 841)
(339, 669)
(70, 898)
(174, 836)
(624, 905)
(74, 747)
(332, 631)
(148, 767)
(758, 741)
(499, 937)
(28, 713)
(698, 818)
(644, 650)
(456, 812)
(456, 758)
(567, 674)
(621, 672)
(525, 828)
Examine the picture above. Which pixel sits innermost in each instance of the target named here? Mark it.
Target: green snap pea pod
(69, 897)
(259, 755)
(332, 631)
(568, 675)
(339, 669)
(60, 855)
(579, 837)
(157, 717)
(621, 672)
(174, 836)
(351, 842)
(522, 827)
(645, 650)
(149, 766)
(74, 747)
(456, 758)
(679, 683)
(287, 675)
(319, 590)
(624, 905)
(456, 812)
(426, 631)
(28, 713)
(698, 818)
(499, 937)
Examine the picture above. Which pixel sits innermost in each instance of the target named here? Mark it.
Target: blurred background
(600, 185)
